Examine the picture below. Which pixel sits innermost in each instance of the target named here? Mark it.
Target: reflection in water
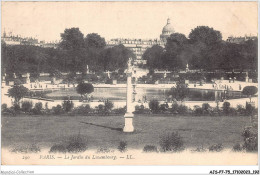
(141, 93)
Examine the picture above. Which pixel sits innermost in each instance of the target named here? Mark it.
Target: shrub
(232, 112)
(82, 110)
(250, 135)
(108, 106)
(216, 147)
(76, 144)
(58, 148)
(182, 109)
(206, 108)
(174, 108)
(198, 111)
(249, 109)
(57, 110)
(15, 109)
(26, 149)
(171, 142)
(237, 147)
(154, 106)
(67, 105)
(226, 107)
(141, 110)
(37, 108)
(241, 110)
(26, 106)
(100, 109)
(122, 147)
(150, 148)
(164, 108)
(200, 149)
(4, 107)
(120, 110)
(47, 110)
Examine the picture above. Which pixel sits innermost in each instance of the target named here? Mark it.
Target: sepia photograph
(129, 83)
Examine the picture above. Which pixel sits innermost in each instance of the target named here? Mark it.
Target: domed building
(167, 30)
(139, 46)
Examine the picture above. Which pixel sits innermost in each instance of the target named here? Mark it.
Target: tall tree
(205, 34)
(17, 92)
(153, 56)
(94, 40)
(116, 58)
(72, 41)
(174, 46)
(94, 44)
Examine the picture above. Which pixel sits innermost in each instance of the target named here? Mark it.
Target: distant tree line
(204, 49)
(74, 54)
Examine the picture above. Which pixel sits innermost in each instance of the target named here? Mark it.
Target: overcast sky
(46, 20)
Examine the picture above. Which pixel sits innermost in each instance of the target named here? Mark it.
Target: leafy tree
(250, 54)
(84, 88)
(72, 42)
(179, 92)
(176, 39)
(94, 40)
(249, 91)
(174, 47)
(205, 35)
(116, 58)
(153, 56)
(72, 39)
(17, 92)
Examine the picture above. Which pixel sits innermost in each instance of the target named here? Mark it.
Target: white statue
(87, 69)
(129, 65)
(187, 67)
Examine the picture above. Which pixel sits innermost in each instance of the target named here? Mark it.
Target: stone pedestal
(3, 83)
(28, 81)
(129, 105)
(129, 122)
(216, 96)
(247, 79)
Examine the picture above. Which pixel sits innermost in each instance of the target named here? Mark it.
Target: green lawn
(45, 131)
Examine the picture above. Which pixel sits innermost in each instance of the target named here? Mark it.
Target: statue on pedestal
(87, 70)
(28, 81)
(247, 78)
(187, 67)
(129, 103)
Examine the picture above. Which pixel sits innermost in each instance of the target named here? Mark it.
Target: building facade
(139, 46)
(239, 40)
(11, 39)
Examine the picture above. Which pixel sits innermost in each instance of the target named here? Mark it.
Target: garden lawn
(106, 131)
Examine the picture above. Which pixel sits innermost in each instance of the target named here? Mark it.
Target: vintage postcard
(129, 83)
